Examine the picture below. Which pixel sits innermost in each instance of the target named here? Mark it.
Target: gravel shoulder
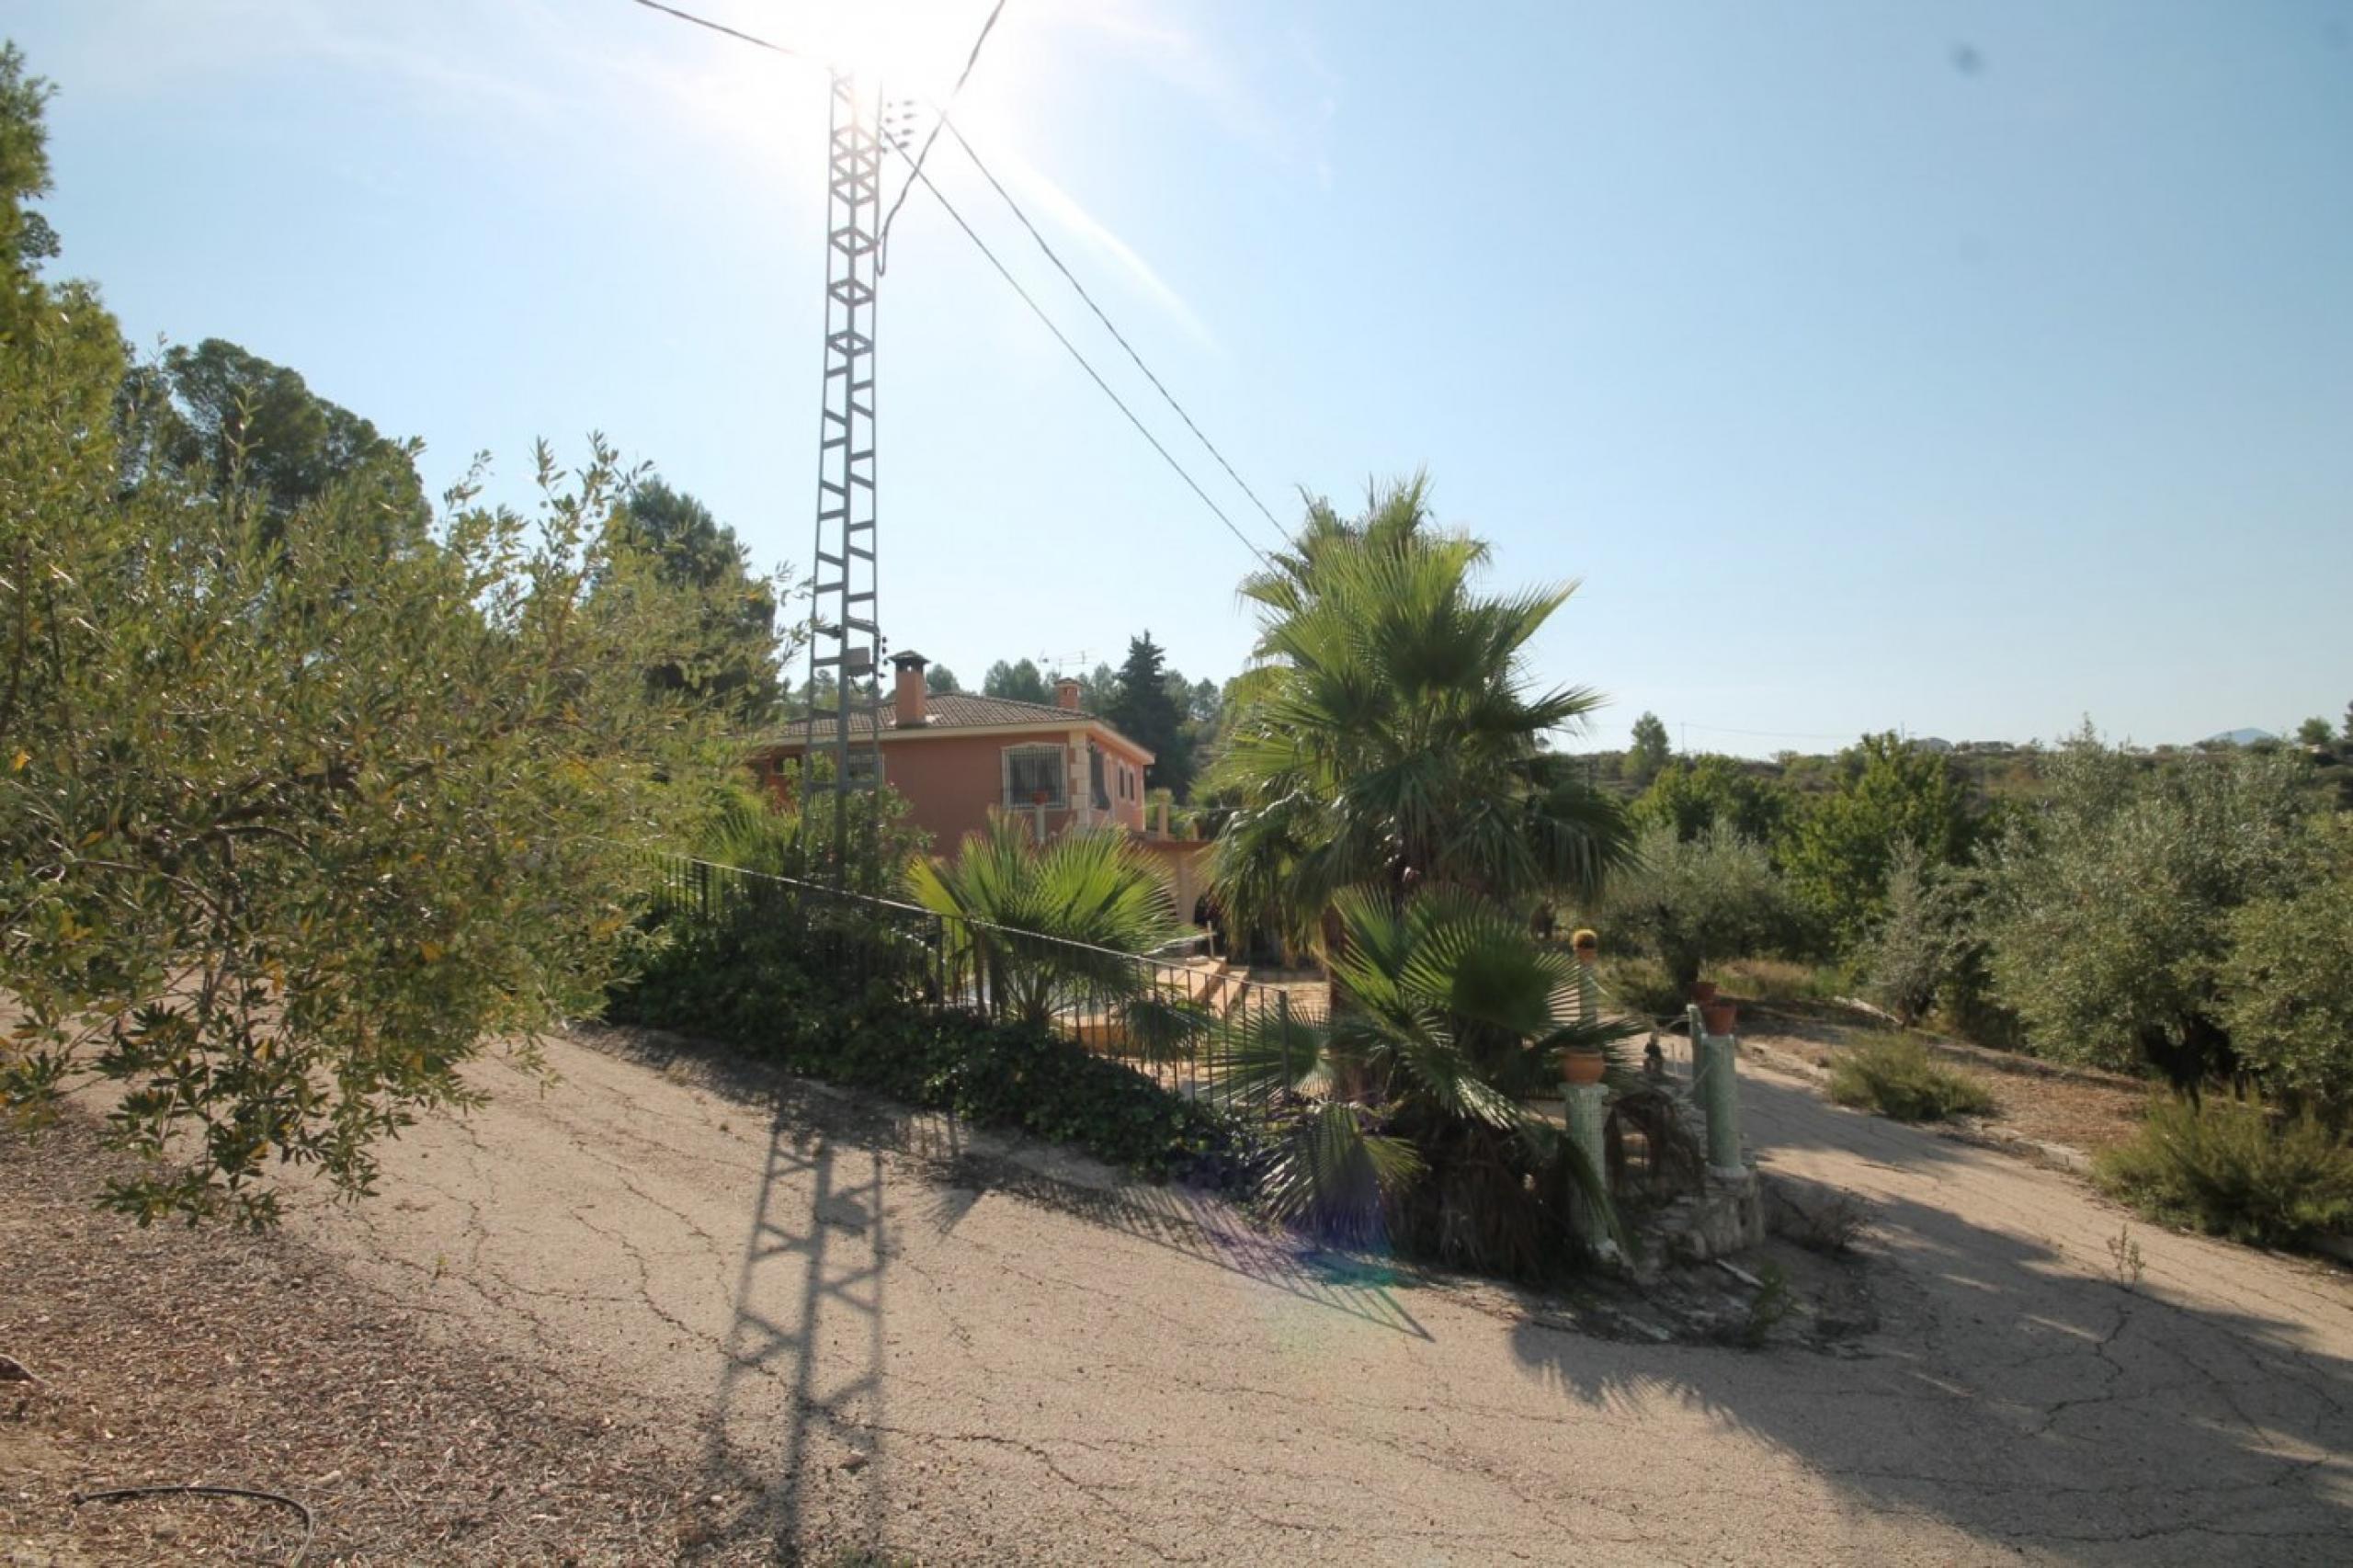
(818, 1325)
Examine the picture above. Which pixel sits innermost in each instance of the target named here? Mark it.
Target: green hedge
(841, 998)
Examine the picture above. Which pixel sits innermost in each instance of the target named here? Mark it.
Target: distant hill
(2238, 738)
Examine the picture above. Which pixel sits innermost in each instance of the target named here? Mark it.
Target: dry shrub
(1894, 1076)
(2230, 1168)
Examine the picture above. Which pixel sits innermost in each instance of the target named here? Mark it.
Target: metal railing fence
(1193, 1025)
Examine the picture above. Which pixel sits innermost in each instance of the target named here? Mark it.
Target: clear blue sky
(1965, 368)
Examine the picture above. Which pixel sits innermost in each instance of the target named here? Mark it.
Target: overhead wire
(1767, 734)
(917, 174)
(882, 246)
(1118, 336)
(1096, 376)
(721, 28)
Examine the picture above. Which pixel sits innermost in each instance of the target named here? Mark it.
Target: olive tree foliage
(1690, 902)
(2109, 907)
(2287, 980)
(294, 817)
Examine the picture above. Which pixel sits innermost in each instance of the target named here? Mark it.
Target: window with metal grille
(1030, 771)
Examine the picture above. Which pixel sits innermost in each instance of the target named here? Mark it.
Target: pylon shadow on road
(811, 1282)
(962, 1166)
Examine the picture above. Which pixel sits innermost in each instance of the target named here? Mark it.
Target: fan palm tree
(1054, 924)
(1407, 1115)
(1389, 735)
(1396, 806)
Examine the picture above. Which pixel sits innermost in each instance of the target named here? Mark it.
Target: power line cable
(917, 174)
(1117, 334)
(1774, 734)
(721, 28)
(1096, 376)
(882, 246)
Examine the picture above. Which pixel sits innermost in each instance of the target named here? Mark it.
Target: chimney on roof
(910, 692)
(1067, 693)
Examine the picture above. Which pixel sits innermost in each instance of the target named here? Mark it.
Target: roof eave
(945, 732)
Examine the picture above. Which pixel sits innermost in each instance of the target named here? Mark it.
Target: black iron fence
(1193, 1023)
(777, 957)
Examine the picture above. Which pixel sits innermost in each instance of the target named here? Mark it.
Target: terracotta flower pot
(1581, 1066)
(1703, 992)
(1586, 943)
(1719, 1016)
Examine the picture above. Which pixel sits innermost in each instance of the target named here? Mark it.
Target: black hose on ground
(124, 1494)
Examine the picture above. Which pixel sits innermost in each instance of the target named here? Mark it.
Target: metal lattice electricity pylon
(847, 638)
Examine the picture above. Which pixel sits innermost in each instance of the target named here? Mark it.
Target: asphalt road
(869, 1329)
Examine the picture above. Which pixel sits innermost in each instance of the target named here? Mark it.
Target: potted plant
(1703, 992)
(1719, 1016)
(1582, 1065)
(1587, 944)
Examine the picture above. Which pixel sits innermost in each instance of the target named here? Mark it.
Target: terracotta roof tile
(954, 711)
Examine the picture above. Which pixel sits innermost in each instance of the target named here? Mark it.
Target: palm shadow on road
(2024, 1395)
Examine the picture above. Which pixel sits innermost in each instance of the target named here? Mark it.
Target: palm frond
(1271, 1055)
(1332, 1174)
(1164, 1027)
(1055, 925)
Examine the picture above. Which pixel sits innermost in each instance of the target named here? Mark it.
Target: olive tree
(2109, 906)
(2287, 981)
(291, 821)
(1691, 901)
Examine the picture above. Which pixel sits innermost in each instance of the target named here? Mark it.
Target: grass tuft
(1894, 1076)
(1778, 979)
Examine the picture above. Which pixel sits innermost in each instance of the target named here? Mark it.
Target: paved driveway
(868, 1330)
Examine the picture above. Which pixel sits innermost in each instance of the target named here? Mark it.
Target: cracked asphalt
(872, 1329)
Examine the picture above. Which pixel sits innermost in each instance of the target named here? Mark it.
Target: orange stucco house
(951, 756)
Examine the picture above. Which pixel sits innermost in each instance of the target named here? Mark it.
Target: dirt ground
(170, 1356)
(2074, 1115)
(832, 1332)
(2085, 1112)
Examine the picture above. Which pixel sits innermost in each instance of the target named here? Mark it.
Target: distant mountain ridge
(2238, 738)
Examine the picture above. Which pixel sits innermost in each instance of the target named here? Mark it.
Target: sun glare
(910, 46)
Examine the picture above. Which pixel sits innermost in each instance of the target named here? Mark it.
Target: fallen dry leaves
(171, 1356)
